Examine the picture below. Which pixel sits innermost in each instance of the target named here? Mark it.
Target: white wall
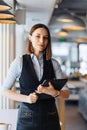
(20, 40)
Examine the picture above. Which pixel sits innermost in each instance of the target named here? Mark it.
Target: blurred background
(67, 22)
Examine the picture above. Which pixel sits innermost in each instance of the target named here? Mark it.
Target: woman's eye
(38, 36)
(46, 38)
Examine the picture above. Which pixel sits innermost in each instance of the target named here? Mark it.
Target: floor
(74, 120)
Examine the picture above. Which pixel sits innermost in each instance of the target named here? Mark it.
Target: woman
(37, 109)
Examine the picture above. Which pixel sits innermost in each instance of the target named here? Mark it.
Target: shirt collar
(40, 59)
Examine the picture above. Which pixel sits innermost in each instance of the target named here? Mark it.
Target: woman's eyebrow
(41, 34)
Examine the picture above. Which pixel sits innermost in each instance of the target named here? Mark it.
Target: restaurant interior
(67, 22)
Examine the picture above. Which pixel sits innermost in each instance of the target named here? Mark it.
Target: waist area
(42, 106)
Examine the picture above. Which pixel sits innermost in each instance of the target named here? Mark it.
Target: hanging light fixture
(65, 17)
(4, 6)
(77, 24)
(63, 33)
(8, 21)
(81, 40)
(6, 14)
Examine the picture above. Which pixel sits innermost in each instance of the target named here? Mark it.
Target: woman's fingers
(32, 98)
(47, 90)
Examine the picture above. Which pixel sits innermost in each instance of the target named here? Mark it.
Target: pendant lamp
(62, 33)
(65, 17)
(4, 6)
(8, 21)
(6, 14)
(81, 40)
(77, 24)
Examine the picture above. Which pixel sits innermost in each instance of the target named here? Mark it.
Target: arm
(14, 96)
(13, 73)
(64, 92)
(31, 98)
(50, 90)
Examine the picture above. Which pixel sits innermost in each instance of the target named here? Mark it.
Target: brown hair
(48, 50)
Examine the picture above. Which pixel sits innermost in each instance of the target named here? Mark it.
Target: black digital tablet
(57, 83)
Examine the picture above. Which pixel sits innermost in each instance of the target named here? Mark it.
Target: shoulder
(17, 59)
(57, 69)
(55, 62)
(56, 66)
(17, 62)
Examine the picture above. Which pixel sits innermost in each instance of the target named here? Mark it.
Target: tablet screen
(57, 83)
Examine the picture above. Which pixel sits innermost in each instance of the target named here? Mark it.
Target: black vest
(28, 79)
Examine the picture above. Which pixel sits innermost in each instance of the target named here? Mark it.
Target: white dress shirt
(15, 70)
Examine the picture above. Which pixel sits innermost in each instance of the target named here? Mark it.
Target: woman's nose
(41, 39)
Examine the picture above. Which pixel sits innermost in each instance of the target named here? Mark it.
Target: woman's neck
(38, 55)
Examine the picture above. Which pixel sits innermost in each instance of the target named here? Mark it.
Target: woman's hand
(47, 90)
(32, 98)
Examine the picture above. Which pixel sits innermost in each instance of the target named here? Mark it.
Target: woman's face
(39, 39)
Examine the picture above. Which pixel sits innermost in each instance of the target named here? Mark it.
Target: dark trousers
(39, 119)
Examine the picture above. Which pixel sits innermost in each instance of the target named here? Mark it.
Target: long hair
(48, 51)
